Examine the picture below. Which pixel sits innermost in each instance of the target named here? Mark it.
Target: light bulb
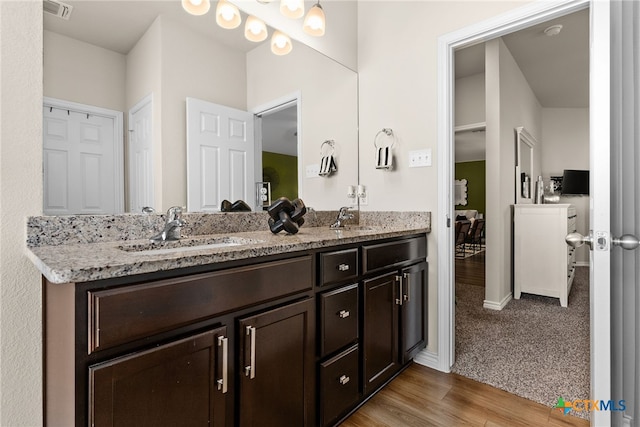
(314, 22)
(280, 43)
(227, 15)
(255, 30)
(292, 8)
(196, 7)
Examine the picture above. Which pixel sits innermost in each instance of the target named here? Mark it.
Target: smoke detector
(553, 30)
(57, 8)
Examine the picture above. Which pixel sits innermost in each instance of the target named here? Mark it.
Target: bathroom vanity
(279, 330)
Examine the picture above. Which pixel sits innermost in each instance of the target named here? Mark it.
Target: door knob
(626, 241)
(576, 240)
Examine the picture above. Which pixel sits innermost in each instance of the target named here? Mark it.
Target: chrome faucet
(171, 227)
(343, 215)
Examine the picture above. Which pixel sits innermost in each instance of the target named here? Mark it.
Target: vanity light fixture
(292, 8)
(280, 43)
(196, 7)
(255, 30)
(314, 22)
(227, 15)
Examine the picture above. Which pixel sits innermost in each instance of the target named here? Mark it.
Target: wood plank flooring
(421, 396)
(470, 270)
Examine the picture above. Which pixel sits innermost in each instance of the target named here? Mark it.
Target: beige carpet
(532, 348)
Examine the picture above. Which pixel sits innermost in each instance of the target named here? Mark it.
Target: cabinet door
(174, 384)
(413, 337)
(380, 338)
(277, 379)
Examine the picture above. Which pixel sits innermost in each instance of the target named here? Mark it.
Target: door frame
(118, 133)
(523, 17)
(146, 100)
(272, 106)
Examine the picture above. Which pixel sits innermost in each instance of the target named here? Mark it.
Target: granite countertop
(81, 262)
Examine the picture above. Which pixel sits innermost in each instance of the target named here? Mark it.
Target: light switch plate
(420, 158)
(313, 171)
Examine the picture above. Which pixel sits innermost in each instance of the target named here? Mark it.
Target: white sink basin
(187, 245)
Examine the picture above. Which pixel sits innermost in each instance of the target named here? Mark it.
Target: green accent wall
(282, 171)
(474, 173)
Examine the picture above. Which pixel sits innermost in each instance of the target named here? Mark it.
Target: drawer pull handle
(343, 267)
(407, 277)
(344, 314)
(400, 298)
(344, 379)
(250, 371)
(223, 382)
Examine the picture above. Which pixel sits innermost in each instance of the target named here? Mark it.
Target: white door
(81, 167)
(625, 199)
(141, 155)
(220, 156)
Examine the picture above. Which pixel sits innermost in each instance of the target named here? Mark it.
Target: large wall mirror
(525, 146)
(144, 59)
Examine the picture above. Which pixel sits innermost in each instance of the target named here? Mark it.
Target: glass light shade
(227, 15)
(255, 30)
(292, 8)
(280, 43)
(196, 7)
(314, 22)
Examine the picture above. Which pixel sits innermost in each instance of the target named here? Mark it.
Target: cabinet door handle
(344, 379)
(250, 371)
(400, 298)
(343, 267)
(344, 314)
(223, 382)
(407, 277)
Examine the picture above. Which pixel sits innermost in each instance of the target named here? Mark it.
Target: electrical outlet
(313, 171)
(364, 200)
(420, 158)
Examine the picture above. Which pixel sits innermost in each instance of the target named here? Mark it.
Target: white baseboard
(430, 360)
(492, 305)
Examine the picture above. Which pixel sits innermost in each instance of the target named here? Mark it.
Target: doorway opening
(278, 150)
(500, 174)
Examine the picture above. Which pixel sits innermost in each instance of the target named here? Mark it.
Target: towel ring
(389, 133)
(331, 143)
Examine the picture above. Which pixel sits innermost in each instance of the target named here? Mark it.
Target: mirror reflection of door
(279, 130)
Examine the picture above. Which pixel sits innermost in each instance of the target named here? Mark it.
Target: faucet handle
(174, 213)
(344, 209)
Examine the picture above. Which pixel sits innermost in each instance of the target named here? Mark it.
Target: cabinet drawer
(338, 266)
(338, 318)
(339, 381)
(121, 315)
(390, 254)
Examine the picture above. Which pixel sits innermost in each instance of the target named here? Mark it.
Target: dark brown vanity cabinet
(299, 339)
(182, 383)
(394, 321)
(277, 378)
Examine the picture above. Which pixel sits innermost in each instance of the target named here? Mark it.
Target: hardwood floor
(470, 270)
(421, 396)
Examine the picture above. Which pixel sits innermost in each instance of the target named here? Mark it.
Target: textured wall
(20, 196)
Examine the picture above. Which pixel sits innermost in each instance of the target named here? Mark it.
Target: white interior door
(600, 207)
(82, 160)
(220, 156)
(141, 155)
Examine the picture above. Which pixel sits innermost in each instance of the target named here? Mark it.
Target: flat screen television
(575, 182)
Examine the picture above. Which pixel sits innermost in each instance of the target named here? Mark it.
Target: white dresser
(543, 263)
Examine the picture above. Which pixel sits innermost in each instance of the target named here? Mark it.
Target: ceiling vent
(57, 8)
